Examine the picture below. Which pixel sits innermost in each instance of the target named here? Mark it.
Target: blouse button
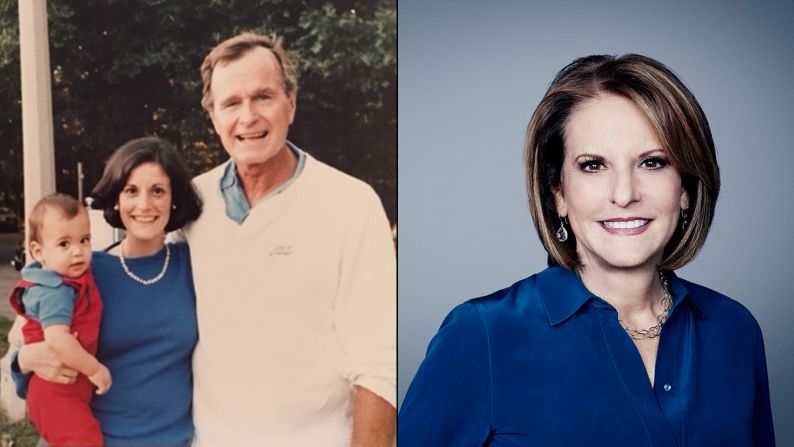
(667, 387)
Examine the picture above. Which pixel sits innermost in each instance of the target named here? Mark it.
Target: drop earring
(684, 220)
(562, 233)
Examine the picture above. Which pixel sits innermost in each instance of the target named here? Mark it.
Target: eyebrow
(642, 155)
(647, 153)
(257, 92)
(228, 100)
(138, 186)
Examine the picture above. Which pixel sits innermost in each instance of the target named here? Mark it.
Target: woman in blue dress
(606, 347)
(148, 327)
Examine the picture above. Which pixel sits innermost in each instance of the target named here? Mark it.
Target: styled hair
(129, 156)
(677, 119)
(236, 47)
(67, 205)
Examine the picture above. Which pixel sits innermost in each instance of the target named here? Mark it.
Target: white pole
(37, 150)
(80, 177)
(37, 140)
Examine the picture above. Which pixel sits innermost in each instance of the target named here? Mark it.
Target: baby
(61, 303)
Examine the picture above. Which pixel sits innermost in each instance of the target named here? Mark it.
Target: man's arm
(365, 317)
(374, 420)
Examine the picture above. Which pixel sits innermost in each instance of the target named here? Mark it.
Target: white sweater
(295, 306)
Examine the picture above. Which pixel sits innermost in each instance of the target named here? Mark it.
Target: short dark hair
(131, 155)
(674, 114)
(67, 205)
(238, 46)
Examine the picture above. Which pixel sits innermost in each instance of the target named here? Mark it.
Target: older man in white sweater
(294, 273)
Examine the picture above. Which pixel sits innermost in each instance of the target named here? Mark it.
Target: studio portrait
(591, 204)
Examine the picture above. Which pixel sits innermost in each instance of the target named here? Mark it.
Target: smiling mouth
(144, 219)
(252, 136)
(625, 227)
(624, 224)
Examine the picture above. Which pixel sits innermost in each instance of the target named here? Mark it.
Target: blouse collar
(563, 294)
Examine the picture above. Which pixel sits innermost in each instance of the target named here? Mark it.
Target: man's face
(251, 111)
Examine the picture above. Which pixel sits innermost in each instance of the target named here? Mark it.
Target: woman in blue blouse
(148, 328)
(607, 347)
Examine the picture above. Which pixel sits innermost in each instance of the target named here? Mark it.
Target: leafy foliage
(124, 69)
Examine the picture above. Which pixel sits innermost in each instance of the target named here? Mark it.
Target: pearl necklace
(145, 282)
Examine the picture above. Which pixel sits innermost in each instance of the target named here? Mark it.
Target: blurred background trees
(122, 69)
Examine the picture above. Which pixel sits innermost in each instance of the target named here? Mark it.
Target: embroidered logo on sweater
(281, 250)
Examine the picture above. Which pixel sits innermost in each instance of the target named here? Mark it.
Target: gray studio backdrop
(470, 75)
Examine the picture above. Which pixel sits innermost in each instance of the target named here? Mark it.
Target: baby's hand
(101, 379)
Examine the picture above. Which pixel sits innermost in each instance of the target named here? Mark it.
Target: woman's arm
(450, 400)
(763, 429)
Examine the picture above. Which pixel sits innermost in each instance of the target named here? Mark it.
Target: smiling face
(251, 112)
(145, 203)
(622, 197)
(65, 243)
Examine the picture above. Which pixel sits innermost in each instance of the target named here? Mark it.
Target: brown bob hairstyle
(673, 112)
(184, 198)
(236, 47)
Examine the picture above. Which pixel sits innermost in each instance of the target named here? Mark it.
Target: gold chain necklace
(653, 331)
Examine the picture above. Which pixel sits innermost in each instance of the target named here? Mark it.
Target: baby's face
(65, 245)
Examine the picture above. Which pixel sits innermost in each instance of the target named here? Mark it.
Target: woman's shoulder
(516, 302)
(103, 256)
(180, 247)
(716, 306)
(483, 326)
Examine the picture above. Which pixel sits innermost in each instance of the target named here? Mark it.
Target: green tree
(11, 112)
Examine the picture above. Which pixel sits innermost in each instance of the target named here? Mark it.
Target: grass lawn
(22, 434)
(5, 325)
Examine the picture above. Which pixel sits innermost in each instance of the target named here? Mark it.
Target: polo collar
(35, 273)
(229, 176)
(563, 294)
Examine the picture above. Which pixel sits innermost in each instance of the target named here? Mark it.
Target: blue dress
(546, 363)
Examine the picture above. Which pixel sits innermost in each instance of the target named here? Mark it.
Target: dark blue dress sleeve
(20, 379)
(763, 429)
(450, 401)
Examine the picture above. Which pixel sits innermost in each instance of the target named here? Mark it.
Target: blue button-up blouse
(546, 363)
